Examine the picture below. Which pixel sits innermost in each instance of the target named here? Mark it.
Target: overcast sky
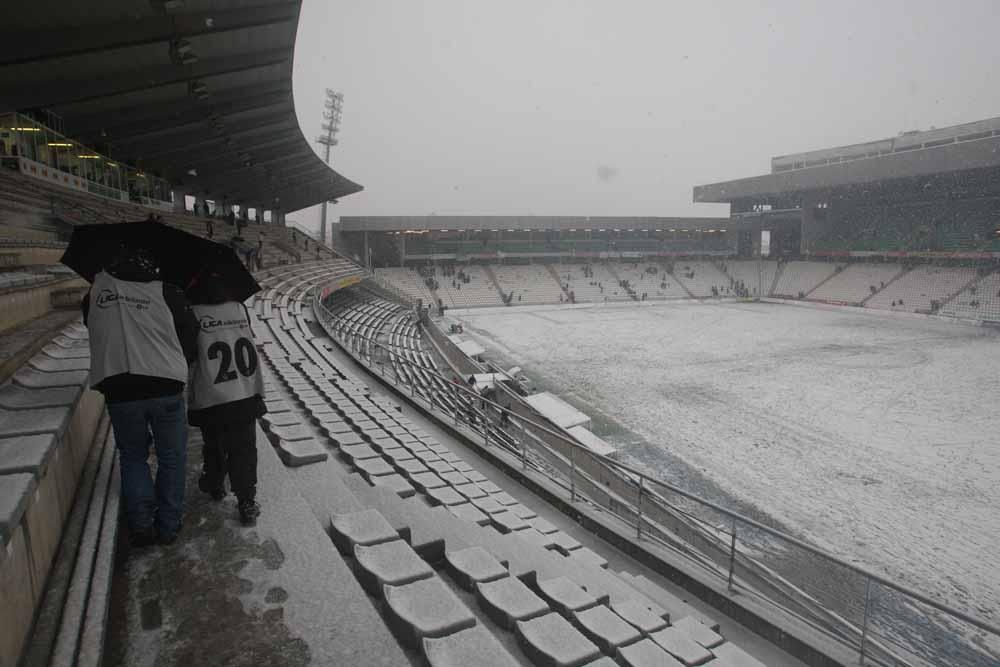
(619, 107)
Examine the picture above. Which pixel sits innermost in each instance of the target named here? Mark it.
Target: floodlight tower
(333, 106)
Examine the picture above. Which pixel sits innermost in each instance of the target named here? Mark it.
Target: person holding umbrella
(226, 390)
(142, 335)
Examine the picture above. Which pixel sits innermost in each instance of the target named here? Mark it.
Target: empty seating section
(855, 283)
(915, 290)
(649, 278)
(592, 283)
(979, 301)
(530, 284)
(799, 278)
(700, 277)
(479, 291)
(757, 277)
(409, 282)
(430, 536)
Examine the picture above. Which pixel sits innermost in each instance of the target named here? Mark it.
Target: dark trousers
(149, 503)
(231, 448)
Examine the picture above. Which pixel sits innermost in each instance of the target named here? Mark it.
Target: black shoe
(217, 492)
(167, 540)
(143, 537)
(249, 511)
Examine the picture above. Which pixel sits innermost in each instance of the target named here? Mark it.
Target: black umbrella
(222, 273)
(181, 256)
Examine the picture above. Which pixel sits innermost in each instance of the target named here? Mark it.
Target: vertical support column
(180, 196)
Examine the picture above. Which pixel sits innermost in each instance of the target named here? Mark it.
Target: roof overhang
(954, 157)
(196, 91)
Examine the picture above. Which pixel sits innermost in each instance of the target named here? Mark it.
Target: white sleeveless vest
(132, 331)
(227, 368)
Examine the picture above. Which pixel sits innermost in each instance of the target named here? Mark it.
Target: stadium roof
(389, 223)
(173, 86)
(893, 161)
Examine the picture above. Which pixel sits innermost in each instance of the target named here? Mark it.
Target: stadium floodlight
(334, 105)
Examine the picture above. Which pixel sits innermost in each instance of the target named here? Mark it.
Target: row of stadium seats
(889, 286)
(918, 290)
(531, 284)
(490, 544)
(854, 283)
(481, 290)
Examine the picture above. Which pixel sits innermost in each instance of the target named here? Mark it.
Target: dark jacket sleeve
(185, 322)
(85, 306)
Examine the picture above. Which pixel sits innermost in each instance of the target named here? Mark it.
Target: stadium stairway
(459, 567)
(555, 276)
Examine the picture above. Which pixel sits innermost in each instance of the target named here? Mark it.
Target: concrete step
(639, 616)
(565, 596)
(445, 495)
(507, 601)
(354, 453)
(588, 555)
(508, 522)
(552, 640)
(425, 608)
(370, 468)
(323, 488)
(605, 628)
(645, 653)
(469, 512)
(683, 648)
(475, 646)
(675, 606)
(698, 631)
(395, 483)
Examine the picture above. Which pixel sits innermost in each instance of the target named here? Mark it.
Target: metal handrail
(735, 516)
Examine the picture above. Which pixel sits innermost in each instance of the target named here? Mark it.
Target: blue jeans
(164, 421)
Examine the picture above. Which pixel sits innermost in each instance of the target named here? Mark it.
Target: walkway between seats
(276, 594)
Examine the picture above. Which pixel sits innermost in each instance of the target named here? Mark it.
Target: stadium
(732, 441)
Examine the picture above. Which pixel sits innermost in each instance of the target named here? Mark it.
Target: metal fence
(874, 621)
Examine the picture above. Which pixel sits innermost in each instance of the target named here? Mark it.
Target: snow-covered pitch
(874, 436)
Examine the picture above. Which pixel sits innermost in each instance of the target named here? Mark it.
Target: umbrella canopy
(180, 256)
(222, 276)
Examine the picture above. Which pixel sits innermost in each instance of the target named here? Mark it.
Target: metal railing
(882, 621)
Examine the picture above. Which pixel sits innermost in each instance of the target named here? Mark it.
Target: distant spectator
(210, 228)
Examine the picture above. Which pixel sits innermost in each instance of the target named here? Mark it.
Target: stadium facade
(932, 194)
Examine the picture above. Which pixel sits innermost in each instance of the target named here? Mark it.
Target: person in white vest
(226, 396)
(142, 335)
